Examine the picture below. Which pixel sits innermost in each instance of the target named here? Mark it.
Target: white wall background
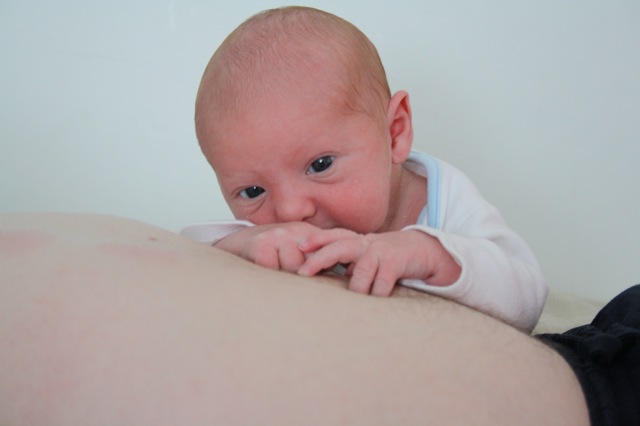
(538, 101)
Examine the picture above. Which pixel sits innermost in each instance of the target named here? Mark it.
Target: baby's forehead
(269, 121)
(263, 89)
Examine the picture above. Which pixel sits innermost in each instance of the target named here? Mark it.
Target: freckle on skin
(23, 243)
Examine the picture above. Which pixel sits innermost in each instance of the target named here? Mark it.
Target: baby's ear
(400, 126)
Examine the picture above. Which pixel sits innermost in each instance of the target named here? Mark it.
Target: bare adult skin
(110, 321)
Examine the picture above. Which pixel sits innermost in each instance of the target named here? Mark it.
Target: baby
(313, 155)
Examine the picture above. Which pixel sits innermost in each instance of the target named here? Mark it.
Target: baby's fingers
(267, 258)
(290, 258)
(364, 274)
(384, 282)
(323, 238)
(342, 251)
(374, 273)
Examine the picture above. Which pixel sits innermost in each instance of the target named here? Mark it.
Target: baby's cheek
(365, 214)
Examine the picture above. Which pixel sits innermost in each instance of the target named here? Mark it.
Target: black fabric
(605, 355)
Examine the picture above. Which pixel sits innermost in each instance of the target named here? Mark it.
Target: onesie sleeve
(212, 232)
(500, 274)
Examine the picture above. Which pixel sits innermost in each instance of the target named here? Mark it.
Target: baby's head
(306, 50)
(298, 90)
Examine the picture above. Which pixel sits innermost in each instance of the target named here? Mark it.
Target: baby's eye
(321, 164)
(251, 192)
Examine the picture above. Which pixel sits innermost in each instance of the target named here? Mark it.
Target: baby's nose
(295, 208)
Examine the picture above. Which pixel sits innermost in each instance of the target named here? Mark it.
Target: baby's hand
(274, 246)
(378, 261)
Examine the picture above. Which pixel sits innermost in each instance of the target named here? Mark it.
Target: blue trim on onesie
(432, 209)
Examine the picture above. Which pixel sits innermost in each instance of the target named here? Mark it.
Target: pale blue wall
(539, 102)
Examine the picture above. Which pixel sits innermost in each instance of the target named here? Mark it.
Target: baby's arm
(378, 261)
(500, 275)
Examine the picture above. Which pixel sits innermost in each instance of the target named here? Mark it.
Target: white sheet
(564, 311)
